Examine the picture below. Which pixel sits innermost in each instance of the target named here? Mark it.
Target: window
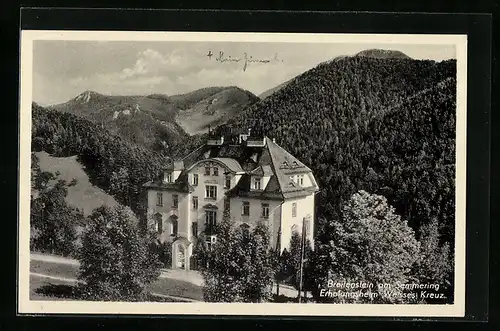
(216, 171)
(168, 177)
(210, 220)
(294, 209)
(175, 227)
(195, 179)
(195, 203)
(159, 199)
(207, 171)
(245, 210)
(227, 183)
(256, 183)
(194, 229)
(265, 210)
(175, 200)
(211, 191)
(301, 180)
(227, 204)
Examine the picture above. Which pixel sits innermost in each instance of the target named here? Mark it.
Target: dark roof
(267, 160)
(264, 170)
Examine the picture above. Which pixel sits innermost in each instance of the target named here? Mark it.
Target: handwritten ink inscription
(246, 59)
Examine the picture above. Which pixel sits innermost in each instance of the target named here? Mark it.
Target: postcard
(188, 173)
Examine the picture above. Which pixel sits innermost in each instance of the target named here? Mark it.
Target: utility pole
(278, 246)
(302, 246)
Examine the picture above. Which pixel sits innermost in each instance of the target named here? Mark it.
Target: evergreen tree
(293, 263)
(435, 263)
(240, 266)
(259, 278)
(223, 281)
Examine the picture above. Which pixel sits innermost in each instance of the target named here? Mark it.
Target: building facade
(250, 177)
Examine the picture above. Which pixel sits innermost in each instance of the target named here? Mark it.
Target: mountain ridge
(156, 120)
(382, 54)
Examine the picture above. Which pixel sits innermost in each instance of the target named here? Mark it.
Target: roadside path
(191, 276)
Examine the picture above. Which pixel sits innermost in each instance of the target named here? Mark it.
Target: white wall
(305, 207)
(256, 213)
(166, 211)
(199, 191)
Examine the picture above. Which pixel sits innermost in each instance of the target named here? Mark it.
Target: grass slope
(83, 195)
(53, 289)
(211, 107)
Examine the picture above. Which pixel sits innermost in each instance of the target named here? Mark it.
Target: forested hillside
(145, 120)
(384, 125)
(158, 121)
(113, 164)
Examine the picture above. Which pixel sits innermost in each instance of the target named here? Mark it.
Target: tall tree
(117, 260)
(292, 262)
(223, 274)
(372, 244)
(52, 221)
(435, 263)
(240, 266)
(259, 278)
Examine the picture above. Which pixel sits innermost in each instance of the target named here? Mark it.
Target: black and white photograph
(242, 173)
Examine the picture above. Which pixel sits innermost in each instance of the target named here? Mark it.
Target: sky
(64, 69)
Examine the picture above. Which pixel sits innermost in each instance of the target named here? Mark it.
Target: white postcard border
(27, 306)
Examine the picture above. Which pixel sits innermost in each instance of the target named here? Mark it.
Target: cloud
(178, 71)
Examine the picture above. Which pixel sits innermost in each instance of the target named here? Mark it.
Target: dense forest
(384, 125)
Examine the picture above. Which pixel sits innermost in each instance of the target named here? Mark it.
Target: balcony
(215, 142)
(252, 142)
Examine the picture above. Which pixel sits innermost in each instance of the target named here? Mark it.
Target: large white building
(251, 177)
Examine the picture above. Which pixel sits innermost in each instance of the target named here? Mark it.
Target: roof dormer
(259, 177)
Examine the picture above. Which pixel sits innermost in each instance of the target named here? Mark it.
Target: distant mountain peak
(382, 54)
(86, 96)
